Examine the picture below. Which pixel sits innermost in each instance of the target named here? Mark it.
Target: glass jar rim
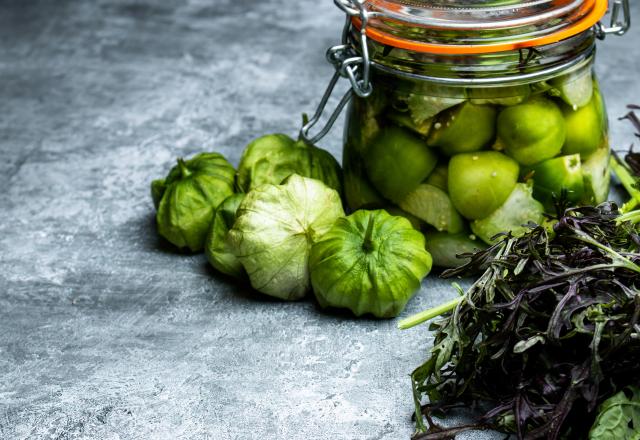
(471, 28)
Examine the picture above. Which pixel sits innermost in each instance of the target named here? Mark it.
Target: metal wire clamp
(348, 63)
(618, 26)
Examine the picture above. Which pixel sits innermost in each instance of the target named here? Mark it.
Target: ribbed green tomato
(553, 176)
(398, 161)
(585, 127)
(187, 198)
(369, 262)
(480, 182)
(533, 131)
(464, 128)
(216, 247)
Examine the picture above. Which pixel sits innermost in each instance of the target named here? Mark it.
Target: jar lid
(478, 26)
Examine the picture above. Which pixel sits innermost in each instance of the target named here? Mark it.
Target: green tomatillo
(274, 229)
(369, 262)
(217, 248)
(274, 157)
(187, 198)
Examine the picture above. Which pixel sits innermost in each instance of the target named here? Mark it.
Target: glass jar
(473, 118)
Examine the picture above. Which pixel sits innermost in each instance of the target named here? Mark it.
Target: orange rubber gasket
(596, 12)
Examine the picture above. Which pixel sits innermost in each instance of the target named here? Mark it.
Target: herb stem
(625, 262)
(428, 314)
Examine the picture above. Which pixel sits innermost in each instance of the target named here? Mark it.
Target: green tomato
(533, 131)
(369, 262)
(553, 176)
(403, 119)
(432, 205)
(358, 190)
(585, 127)
(416, 222)
(397, 162)
(273, 158)
(464, 128)
(445, 247)
(480, 182)
(188, 197)
(424, 106)
(597, 176)
(439, 177)
(502, 95)
(575, 89)
(217, 248)
(518, 210)
(274, 229)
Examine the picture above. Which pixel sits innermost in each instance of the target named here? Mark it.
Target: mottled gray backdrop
(106, 334)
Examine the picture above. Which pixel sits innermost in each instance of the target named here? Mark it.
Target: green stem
(428, 314)
(632, 217)
(184, 170)
(616, 257)
(628, 181)
(367, 244)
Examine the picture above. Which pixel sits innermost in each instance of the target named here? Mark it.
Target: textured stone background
(106, 334)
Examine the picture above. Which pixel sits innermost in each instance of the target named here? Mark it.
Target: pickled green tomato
(533, 131)
(553, 176)
(480, 182)
(512, 216)
(362, 128)
(397, 162)
(439, 177)
(597, 176)
(575, 89)
(464, 128)
(585, 127)
(445, 247)
(432, 205)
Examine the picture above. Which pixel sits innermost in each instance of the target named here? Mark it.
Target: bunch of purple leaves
(547, 332)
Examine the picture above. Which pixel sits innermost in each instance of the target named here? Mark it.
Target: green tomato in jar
(597, 176)
(369, 262)
(512, 216)
(575, 89)
(440, 177)
(397, 162)
(533, 131)
(554, 176)
(432, 205)
(480, 182)
(445, 248)
(585, 127)
(464, 128)
(404, 119)
(358, 190)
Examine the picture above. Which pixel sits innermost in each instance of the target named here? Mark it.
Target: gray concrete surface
(104, 333)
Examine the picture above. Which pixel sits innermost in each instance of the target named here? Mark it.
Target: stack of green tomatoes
(468, 163)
